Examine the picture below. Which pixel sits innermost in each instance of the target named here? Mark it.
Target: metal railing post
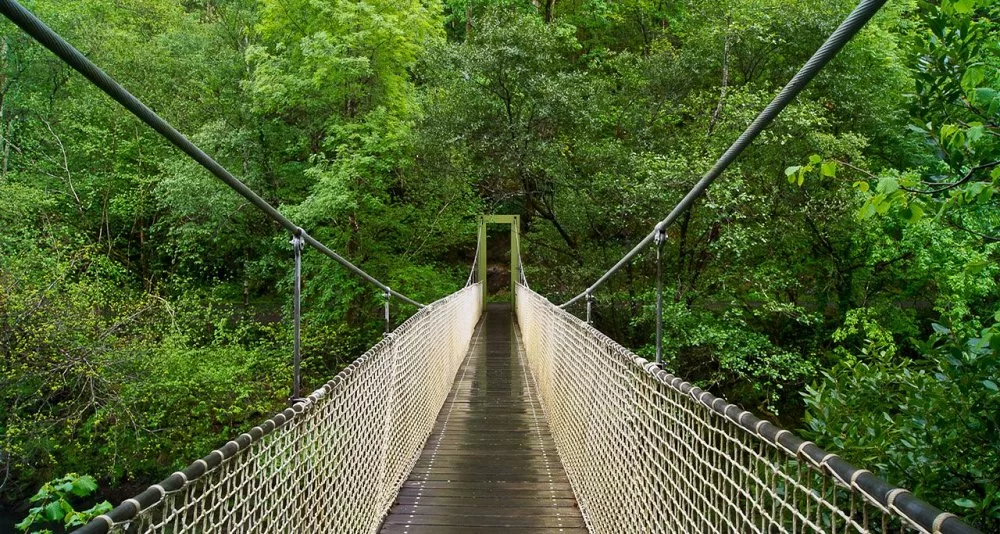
(298, 243)
(388, 298)
(659, 239)
(590, 301)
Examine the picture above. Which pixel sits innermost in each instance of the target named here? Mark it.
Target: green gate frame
(515, 252)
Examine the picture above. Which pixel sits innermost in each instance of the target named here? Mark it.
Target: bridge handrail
(409, 372)
(854, 22)
(578, 369)
(37, 29)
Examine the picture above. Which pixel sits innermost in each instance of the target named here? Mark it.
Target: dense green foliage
(841, 278)
(53, 505)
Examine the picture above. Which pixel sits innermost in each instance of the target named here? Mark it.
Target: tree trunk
(468, 18)
(725, 80)
(4, 141)
(550, 10)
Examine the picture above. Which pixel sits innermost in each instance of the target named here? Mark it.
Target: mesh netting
(332, 463)
(648, 452)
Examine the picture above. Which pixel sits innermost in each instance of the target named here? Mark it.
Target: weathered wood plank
(441, 529)
(490, 464)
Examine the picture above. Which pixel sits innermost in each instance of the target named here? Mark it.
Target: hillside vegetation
(841, 278)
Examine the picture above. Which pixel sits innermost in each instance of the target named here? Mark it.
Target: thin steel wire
(475, 263)
(334, 461)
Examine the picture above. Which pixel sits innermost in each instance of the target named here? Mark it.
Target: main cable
(37, 29)
(837, 40)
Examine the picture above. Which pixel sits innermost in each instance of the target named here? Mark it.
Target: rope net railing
(332, 462)
(647, 452)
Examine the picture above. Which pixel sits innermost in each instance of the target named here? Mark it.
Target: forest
(841, 278)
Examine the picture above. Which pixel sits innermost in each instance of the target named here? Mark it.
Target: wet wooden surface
(490, 464)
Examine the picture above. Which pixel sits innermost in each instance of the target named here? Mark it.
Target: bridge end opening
(514, 222)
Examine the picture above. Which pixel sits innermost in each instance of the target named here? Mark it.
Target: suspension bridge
(472, 417)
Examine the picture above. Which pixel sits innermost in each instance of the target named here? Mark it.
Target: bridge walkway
(490, 464)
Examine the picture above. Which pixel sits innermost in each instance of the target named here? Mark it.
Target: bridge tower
(515, 252)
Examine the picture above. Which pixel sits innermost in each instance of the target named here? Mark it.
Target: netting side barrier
(333, 462)
(648, 452)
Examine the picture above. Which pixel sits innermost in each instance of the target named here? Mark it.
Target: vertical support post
(659, 239)
(388, 298)
(590, 302)
(482, 258)
(515, 260)
(298, 243)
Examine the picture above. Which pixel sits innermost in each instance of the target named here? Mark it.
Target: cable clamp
(940, 519)
(890, 498)
(659, 234)
(298, 239)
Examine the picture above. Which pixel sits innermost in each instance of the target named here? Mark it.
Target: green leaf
(913, 213)
(75, 519)
(973, 77)
(867, 211)
(985, 195)
(987, 98)
(975, 133)
(941, 329)
(965, 503)
(991, 385)
(84, 486)
(100, 508)
(792, 170)
(964, 6)
(887, 185)
(54, 511)
(829, 168)
(948, 131)
(815, 159)
(26, 523)
(976, 266)
(881, 204)
(862, 186)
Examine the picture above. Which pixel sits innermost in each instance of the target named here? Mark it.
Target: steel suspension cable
(37, 29)
(475, 261)
(837, 40)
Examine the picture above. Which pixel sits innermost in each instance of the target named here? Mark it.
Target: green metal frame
(515, 251)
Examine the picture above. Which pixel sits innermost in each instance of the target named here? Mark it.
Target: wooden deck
(490, 464)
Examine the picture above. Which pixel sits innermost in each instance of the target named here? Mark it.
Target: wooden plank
(490, 464)
(485, 485)
(484, 510)
(507, 520)
(473, 493)
(489, 502)
(441, 529)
